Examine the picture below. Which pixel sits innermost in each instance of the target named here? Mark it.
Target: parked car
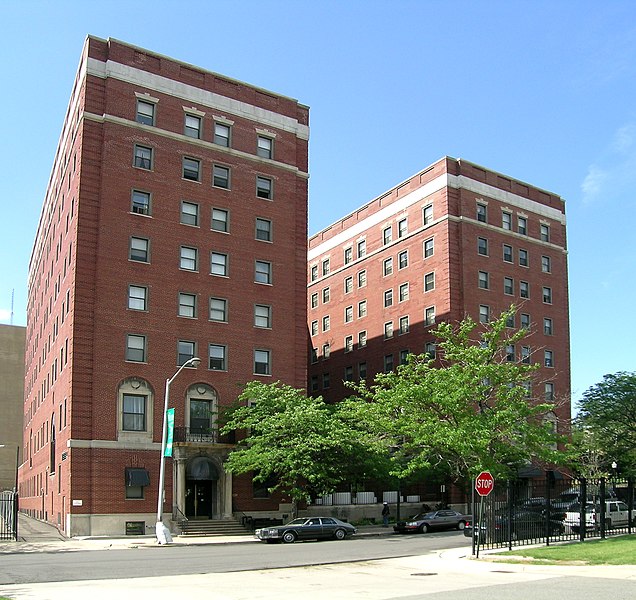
(542, 506)
(616, 515)
(565, 499)
(524, 525)
(306, 528)
(437, 519)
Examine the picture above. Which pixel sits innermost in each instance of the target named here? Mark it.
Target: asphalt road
(156, 561)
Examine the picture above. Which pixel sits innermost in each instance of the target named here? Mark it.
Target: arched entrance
(201, 488)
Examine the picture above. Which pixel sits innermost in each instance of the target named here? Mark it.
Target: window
(348, 255)
(136, 480)
(219, 264)
(430, 348)
(220, 220)
(217, 357)
(192, 126)
(524, 289)
(545, 232)
(388, 298)
(348, 317)
(403, 325)
(525, 355)
(187, 305)
(523, 258)
(191, 169)
(314, 272)
(145, 113)
(139, 249)
(189, 213)
(547, 326)
(143, 157)
(547, 295)
(348, 343)
(136, 348)
(188, 258)
(548, 358)
(403, 259)
(549, 392)
(263, 272)
(506, 221)
(429, 282)
(429, 316)
(362, 370)
(507, 253)
(362, 339)
(522, 225)
(483, 280)
(525, 321)
(137, 297)
(388, 330)
(404, 356)
(348, 285)
(325, 323)
(185, 351)
(326, 381)
(221, 177)
(264, 187)
(509, 286)
(510, 352)
(362, 279)
(326, 295)
(402, 228)
(218, 310)
(348, 375)
(546, 264)
(362, 309)
(404, 292)
(265, 147)
(222, 134)
(387, 266)
(314, 384)
(314, 300)
(262, 362)
(427, 214)
(482, 215)
(387, 235)
(326, 351)
(484, 313)
(428, 248)
(482, 246)
(263, 230)
(134, 412)
(388, 363)
(325, 267)
(140, 203)
(362, 248)
(314, 328)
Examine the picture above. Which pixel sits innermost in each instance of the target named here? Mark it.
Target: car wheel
(289, 537)
(461, 525)
(423, 528)
(340, 534)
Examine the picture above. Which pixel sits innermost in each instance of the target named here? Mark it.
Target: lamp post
(162, 532)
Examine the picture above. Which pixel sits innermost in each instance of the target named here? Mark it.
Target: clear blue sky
(543, 91)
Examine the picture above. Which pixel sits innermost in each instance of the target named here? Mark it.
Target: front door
(200, 499)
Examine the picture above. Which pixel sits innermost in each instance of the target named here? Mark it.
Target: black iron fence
(525, 512)
(8, 516)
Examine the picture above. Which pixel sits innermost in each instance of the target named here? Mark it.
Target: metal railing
(8, 515)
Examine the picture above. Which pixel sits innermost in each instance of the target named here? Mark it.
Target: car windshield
(422, 516)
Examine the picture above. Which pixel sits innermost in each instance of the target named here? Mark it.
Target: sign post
(484, 484)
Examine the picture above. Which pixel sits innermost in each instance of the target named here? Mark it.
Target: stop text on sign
(484, 483)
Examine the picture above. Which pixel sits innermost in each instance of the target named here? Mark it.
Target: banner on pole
(169, 431)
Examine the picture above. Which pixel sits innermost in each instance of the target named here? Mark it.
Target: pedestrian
(385, 515)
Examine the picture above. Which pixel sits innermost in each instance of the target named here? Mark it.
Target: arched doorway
(201, 488)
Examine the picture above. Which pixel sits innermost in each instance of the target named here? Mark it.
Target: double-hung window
(263, 272)
(192, 126)
(133, 412)
(137, 297)
(219, 264)
(263, 230)
(263, 316)
(187, 305)
(143, 157)
(222, 134)
(145, 112)
(136, 348)
(189, 213)
(140, 203)
(220, 220)
(265, 147)
(262, 362)
(188, 258)
(191, 169)
(264, 187)
(218, 310)
(217, 359)
(221, 177)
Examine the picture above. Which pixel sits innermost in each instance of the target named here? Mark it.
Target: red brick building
(174, 226)
(453, 240)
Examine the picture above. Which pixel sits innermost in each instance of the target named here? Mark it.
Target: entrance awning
(137, 477)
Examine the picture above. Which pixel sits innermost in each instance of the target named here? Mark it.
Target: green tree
(472, 413)
(608, 413)
(299, 443)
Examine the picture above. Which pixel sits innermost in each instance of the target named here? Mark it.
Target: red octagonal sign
(485, 483)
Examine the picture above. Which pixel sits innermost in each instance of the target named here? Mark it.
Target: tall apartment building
(174, 225)
(454, 240)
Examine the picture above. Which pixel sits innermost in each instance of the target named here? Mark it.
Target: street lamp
(162, 532)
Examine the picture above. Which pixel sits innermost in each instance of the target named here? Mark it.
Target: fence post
(582, 511)
(630, 504)
(509, 494)
(549, 478)
(602, 506)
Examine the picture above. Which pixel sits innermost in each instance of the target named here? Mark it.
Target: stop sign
(485, 483)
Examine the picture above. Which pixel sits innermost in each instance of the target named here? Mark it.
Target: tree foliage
(608, 414)
(473, 413)
(299, 443)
